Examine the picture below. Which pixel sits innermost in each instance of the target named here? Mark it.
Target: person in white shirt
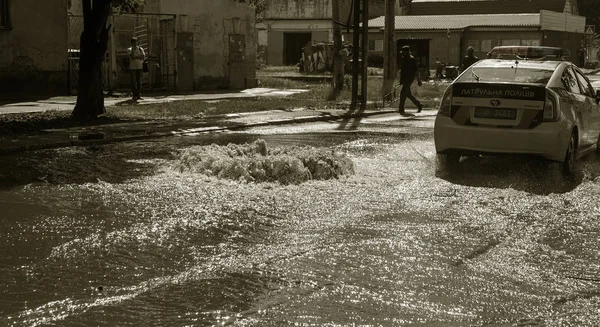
(136, 64)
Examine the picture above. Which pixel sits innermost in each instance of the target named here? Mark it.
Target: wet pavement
(103, 227)
(131, 131)
(120, 234)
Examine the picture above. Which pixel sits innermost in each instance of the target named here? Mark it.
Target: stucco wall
(453, 49)
(212, 22)
(275, 30)
(319, 9)
(294, 9)
(562, 22)
(33, 52)
(447, 50)
(569, 41)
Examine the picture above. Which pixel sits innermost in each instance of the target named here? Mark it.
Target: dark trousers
(136, 82)
(406, 93)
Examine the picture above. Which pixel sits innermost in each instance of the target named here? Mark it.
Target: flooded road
(115, 235)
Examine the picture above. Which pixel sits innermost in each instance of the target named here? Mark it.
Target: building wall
(319, 9)
(211, 24)
(308, 16)
(376, 9)
(569, 41)
(298, 9)
(562, 22)
(320, 30)
(440, 46)
(452, 50)
(484, 39)
(33, 52)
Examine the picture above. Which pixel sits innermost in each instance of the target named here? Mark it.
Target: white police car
(525, 101)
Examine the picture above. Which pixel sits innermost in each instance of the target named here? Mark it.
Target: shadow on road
(350, 119)
(36, 123)
(523, 173)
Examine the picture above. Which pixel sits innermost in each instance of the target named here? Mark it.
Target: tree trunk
(93, 46)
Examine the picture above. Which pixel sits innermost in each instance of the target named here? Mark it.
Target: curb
(99, 137)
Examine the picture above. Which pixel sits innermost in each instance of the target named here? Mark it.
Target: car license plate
(494, 113)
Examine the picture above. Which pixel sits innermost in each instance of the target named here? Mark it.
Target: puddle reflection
(524, 173)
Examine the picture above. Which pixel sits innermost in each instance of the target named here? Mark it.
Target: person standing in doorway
(469, 59)
(136, 64)
(408, 71)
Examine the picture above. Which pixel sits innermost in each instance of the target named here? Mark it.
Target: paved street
(501, 242)
(595, 78)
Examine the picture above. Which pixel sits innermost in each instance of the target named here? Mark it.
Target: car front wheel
(568, 165)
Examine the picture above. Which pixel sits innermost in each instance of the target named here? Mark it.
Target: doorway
(292, 46)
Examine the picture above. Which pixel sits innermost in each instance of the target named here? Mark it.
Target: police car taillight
(446, 103)
(550, 107)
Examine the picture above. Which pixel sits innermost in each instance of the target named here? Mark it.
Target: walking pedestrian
(408, 71)
(136, 64)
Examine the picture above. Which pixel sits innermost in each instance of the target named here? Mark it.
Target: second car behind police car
(525, 101)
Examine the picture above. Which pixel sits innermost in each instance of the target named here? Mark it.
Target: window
(585, 85)
(375, 45)
(487, 45)
(4, 18)
(508, 75)
(531, 42)
(511, 42)
(371, 45)
(474, 44)
(570, 81)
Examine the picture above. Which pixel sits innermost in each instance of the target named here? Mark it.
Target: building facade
(216, 42)
(289, 25)
(33, 47)
(437, 29)
(190, 45)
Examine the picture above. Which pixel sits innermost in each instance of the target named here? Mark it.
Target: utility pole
(338, 62)
(355, 52)
(365, 53)
(389, 55)
(362, 49)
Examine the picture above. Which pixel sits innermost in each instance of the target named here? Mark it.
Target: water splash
(255, 162)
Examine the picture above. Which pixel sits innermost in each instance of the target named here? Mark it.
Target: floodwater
(116, 236)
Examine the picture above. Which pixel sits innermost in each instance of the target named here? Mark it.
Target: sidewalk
(67, 103)
(130, 131)
(111, 133)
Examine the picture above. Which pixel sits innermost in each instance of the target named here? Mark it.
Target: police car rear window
(506, 75)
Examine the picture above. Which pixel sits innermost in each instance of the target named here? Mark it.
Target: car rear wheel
(568, 165)
(447, 162)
